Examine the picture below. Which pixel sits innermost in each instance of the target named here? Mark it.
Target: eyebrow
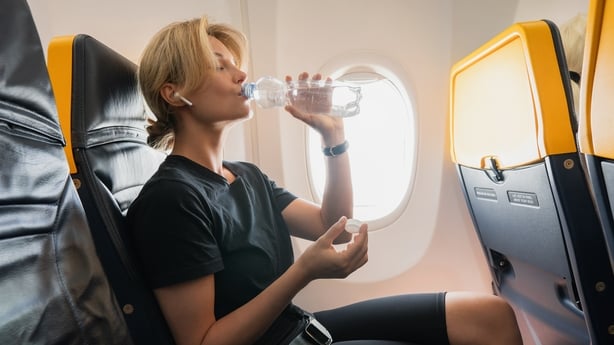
(219, 55)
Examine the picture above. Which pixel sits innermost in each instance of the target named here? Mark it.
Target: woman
(214, 235)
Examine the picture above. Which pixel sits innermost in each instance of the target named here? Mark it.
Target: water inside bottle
(325, 98)
(270, 98)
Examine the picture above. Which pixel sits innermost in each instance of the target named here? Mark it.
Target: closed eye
(223, 62)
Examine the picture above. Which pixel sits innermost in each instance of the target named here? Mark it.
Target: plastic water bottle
(332, 98)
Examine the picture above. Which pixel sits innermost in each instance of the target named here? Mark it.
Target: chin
(249, 115)
(244, 115)
(247, 112)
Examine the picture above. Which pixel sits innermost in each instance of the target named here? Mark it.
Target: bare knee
(474, 318)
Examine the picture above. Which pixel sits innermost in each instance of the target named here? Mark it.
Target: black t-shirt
(189, 222)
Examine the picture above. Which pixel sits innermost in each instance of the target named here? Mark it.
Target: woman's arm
(308, 220)
(189, 307)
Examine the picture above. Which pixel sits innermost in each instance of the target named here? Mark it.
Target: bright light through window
(381, 149)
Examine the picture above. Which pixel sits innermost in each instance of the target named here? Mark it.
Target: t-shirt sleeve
(282, 196)
(172, 234)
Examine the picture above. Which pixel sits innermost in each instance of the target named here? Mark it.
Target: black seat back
(52, 287)
(103, 117)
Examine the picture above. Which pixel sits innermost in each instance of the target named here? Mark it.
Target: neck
(204, 149)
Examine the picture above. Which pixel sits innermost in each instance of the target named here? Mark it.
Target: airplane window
(382, 147)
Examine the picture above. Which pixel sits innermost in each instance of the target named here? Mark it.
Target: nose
(240, 76)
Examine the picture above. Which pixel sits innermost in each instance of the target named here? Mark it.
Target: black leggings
(403, 319)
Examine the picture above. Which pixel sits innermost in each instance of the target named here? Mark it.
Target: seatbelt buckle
(316, 332)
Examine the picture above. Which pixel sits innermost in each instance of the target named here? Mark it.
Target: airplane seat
(103, 118)
(513, 144)
(53, 289)
(596, 125)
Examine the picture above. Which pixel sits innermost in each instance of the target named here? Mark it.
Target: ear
(168, 93)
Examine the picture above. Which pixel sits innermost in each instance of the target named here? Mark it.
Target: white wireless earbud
(185, 100)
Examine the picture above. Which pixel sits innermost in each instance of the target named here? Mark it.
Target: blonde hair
(573, 36)
(181, 54)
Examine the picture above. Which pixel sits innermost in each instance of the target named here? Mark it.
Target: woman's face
(220, 98)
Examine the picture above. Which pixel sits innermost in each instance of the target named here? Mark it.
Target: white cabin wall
(558, 11)
(125, 26)
(477, 21)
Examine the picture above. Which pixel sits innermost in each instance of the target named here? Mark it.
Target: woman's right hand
(330, 127)
(323, 260)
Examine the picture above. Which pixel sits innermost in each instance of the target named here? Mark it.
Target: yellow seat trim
(596, 125)
(507, 101)
(59, 64)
